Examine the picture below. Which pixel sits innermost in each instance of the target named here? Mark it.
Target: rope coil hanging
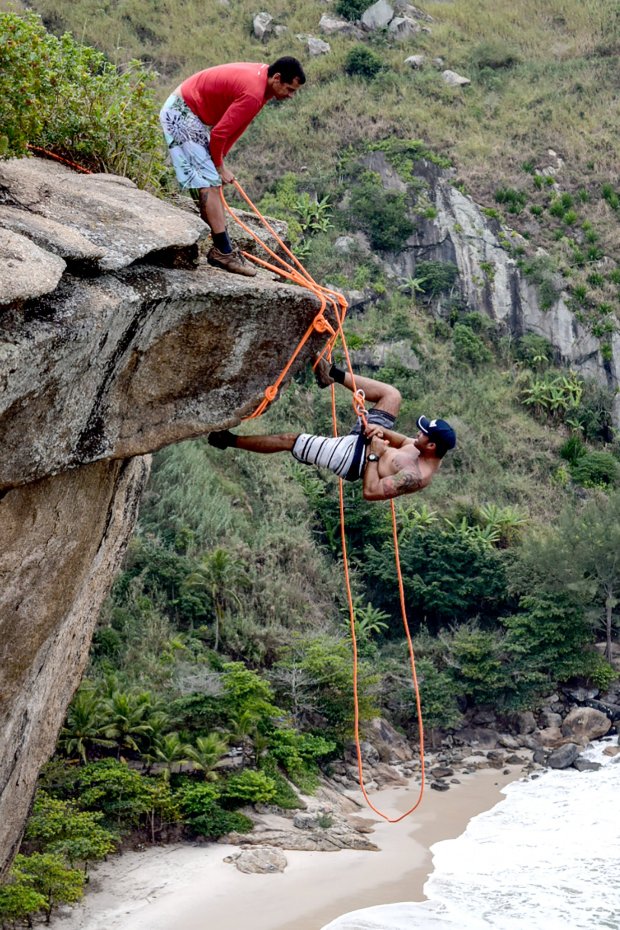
(301, 276)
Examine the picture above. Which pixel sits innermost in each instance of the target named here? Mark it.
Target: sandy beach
(187, 887)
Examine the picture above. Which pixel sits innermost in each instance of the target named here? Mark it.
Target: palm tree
(170, 749)
(206, 753)
(128, 719)
(85, 724)
(219, 573)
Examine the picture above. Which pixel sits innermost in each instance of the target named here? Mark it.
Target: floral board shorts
(188, 138)
(344, 455)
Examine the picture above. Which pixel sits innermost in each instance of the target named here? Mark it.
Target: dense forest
(221, 671)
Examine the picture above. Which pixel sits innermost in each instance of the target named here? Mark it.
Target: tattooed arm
(407, 481)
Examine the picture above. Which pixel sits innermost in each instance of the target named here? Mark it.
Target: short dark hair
(288, 68)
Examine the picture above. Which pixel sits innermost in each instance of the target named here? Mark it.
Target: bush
(468, 347)
(363, 62)
(436, 277)
(203, 814)
(352, 9)
(495, 55)
(513, 200)
(68, 98)
(438, 694)
(381, 214)
(596, 470)
(534, 349)
(573, 450)
(249, 787)
(217, 822)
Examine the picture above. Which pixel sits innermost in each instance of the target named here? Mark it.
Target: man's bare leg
(280, 442)
(378, 393)
(212, 209)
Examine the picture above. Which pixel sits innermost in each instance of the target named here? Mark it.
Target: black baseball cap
(438, 431)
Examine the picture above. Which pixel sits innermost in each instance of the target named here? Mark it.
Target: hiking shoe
(222, 439)
(321, 373)
(230, 261)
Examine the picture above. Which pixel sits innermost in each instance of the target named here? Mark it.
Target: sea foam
(545, 858)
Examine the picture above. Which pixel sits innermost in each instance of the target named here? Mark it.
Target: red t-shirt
(227, 98)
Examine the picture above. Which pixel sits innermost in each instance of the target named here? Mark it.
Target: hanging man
(388, 463)
(202, 119)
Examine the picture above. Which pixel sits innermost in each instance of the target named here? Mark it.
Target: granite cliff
(116, 338)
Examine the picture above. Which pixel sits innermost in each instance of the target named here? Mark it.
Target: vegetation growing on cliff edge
(68, 98)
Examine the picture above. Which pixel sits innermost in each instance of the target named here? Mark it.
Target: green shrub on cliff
(69, 99)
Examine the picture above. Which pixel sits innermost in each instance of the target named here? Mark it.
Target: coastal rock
(442, 772)
(390, 745)
(563, 757)
(550, 736)
(585, 724)
(526, 722)
(328, 840)
(550, 719)
(482, 737)
(585, 765)
(260, 860)
(440, 786)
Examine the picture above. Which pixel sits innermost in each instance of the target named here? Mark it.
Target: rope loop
(338, 304)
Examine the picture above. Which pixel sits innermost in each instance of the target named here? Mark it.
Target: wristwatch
(372, 457)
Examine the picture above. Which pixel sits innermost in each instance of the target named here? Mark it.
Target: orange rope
(300, 275)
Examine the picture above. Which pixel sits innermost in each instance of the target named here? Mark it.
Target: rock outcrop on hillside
(490, 280)
(116, 338)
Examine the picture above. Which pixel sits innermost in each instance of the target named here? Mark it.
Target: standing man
(203, 118)
(388, 463)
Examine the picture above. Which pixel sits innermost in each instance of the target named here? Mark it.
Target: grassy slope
(560, 93)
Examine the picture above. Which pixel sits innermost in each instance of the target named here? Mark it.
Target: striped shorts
(344, 455)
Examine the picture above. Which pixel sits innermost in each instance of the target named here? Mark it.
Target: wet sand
(187, 887)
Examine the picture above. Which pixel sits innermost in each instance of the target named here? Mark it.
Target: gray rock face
(263, 26)
(331, 25)
(378, 15)
(122, 365)
(317, 46)
(382, 353)
(62, 541)
(585, 723)
(110, 213)
(403, 27)
(25, 269)
(97, 368)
